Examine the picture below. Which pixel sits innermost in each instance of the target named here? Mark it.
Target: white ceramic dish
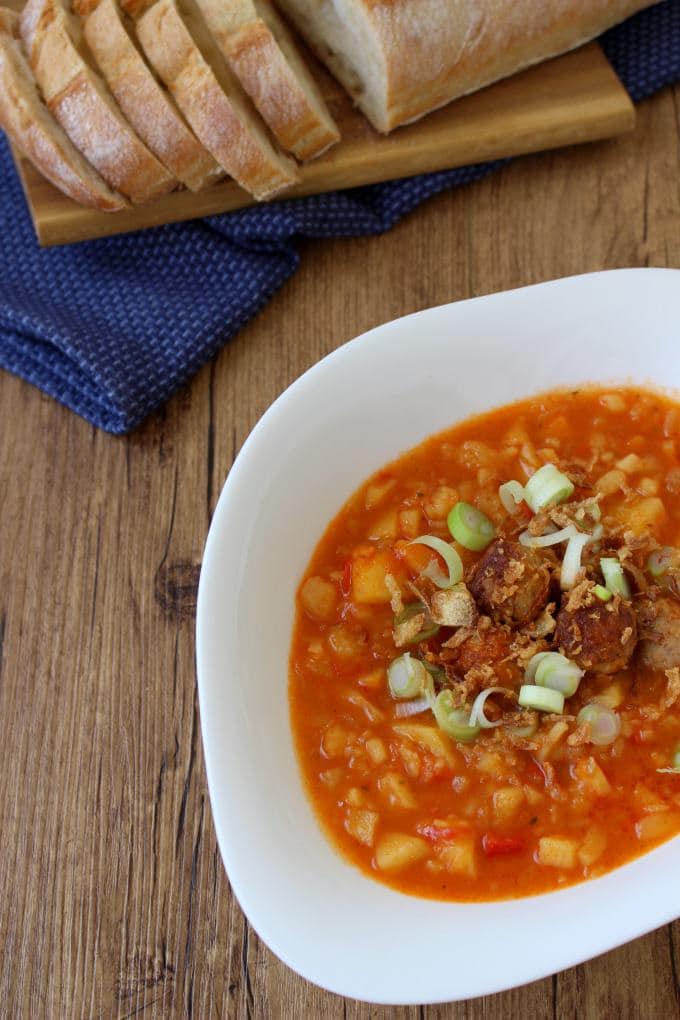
(343, 419)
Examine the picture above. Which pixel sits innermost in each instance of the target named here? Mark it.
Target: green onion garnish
(526, 731)
(543, 699)
(661, 560)
(533, 664)
(602, 593)
(511, 495)
(470, 527)
(604, 723)
(571, 564)
(614, 577)
(547, 487)
(413, 609)
(448, 554)
(407, 677)
(558, 673)
(455, 722)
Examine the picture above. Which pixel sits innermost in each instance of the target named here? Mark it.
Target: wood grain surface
(113, 900)
(574, 98)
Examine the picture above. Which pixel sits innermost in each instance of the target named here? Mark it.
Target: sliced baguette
(29, 124)
(81, 102)
(266, 60)
(146, 104)
(179, 47)
(400, 59)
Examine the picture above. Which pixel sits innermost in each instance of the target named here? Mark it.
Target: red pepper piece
(493, 845)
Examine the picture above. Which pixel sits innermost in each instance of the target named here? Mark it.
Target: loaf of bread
(264, 57)
(77, 96)
(400, 59)
(33, 129)
(186, 58)
(148, 107)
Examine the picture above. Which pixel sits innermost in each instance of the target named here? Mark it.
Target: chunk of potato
(375, 680)
(396, 851)
(611, 482)
(319, 598)
(376, 750)
(658, 825)
(431, 739)
(612, 696)
(439, 502)
(372, 713)
(377, 490)
(647, 800)
(459, 857)
(592, 847)
(591, 778)
(631, 464)
(334, 740)
(411, 522)
(557, 852)
(368, 577)
(647, 514)
(507, 802)
(613, 402)
(385, 526)
(396, 791)
(361, 824)
(343, 642)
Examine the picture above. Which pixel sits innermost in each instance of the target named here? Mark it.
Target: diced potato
(475, 454)
(485, 476)
(657, 825)
(411, 522)
(611, 482)
(361, 824)
(375, 680)
(534, 797)
(411, 759)
(372, 713)
(591, 778)
(431, 739)
(331, 777)
(644, 515)
(507, 802)
(631, 464)
(368, 577)
(343, 642)
(355, 797)
(553, 737)
(648, 487)
(459, 857)
(319, 598)
(612, 696)
(396, 790)
(385, 526)
(396, 851)
(334, 740)
(492, 764)
(592, 847)
(376, 750)
(557, 852)
(377, 491)
(647, 800)
(613, 402)
(439, 502)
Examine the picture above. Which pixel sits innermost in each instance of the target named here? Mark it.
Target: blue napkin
(111, 328)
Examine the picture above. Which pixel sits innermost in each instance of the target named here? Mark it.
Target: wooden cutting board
(573, 98)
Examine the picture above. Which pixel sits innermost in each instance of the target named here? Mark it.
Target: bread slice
(266, 61)
(400, 59)
(179, 47)
(146, 104)
(81, 102)
(33, 129)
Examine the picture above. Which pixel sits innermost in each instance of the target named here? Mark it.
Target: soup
(484, 681)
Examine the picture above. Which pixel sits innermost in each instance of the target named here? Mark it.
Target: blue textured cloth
(111, 328)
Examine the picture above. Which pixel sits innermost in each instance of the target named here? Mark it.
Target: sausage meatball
(511, 582)
(659, 623)
(600, 637)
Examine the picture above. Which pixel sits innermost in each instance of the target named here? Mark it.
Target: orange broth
(472, 816)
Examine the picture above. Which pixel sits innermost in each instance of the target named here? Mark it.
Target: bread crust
(31, 127)
(211, 100)
(265, 59)
(82, 104)
(147, 106)
(425, 53)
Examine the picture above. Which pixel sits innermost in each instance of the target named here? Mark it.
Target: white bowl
(358, 408)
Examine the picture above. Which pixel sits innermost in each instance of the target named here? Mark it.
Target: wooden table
(113, 899)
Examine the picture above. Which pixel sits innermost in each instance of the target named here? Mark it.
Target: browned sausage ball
(659, 623)
(511, 582)
(600, 637)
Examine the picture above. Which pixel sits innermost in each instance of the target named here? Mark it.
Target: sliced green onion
(525, 731)
(477, 716)
(407, 677)
(547, 487)
(543, 699)
(602, 593)
(661, 560)
(470, 527)
(455, 722)
(571, 564)
(558, 673)
(413, 707)
(448, 554)
(614, 577)
(604, 723)
(412, 609)
(511, 495)
(533, 664)
(553, 538)
(436, 672)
